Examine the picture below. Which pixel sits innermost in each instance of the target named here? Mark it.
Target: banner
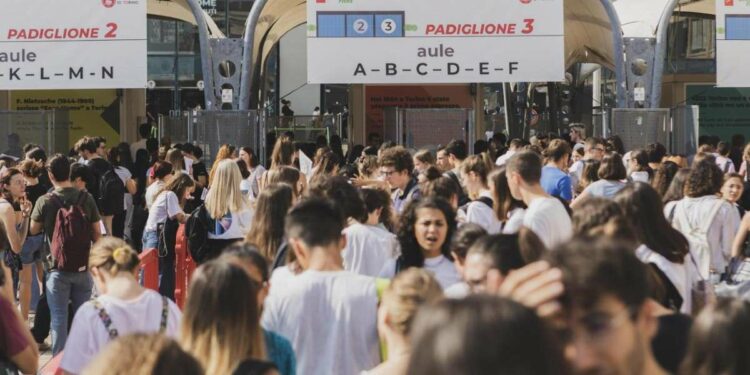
(724, 112)
(435, 41)
(732, 43)
(72, 44)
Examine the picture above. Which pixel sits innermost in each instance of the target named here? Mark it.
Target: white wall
(293, 51)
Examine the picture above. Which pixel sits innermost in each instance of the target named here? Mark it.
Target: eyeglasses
(387, 173)
(595, 327)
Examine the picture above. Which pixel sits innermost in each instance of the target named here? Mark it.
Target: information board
(72, 44)
(435, 41)
(732, 43)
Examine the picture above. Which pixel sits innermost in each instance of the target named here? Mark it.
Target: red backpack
(71, 238)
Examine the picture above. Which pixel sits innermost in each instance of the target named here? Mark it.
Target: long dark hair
(178, 184)
(267, 228)
(504, 203)
(676, 190)
(664, 176)
(643, 208)
(411, 253)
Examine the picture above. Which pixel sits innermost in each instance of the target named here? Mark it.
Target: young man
(545, 215)
(722, 158)
(90, 149)
(609, 320)
(593, 149)
(396, 165)
(328, 314)
(144, 131)
(513, 148)
(577, 135)
(63, 287)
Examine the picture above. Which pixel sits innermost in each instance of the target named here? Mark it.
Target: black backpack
(196, 230)
(111, 192)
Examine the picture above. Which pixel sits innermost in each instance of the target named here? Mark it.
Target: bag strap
(105, 318)
(164, 314)
(671, 213)
(81, 198)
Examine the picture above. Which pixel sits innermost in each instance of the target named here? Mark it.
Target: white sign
(639, 94)
(732, 43)
(72, 44)
(226, 95)
(435, 41)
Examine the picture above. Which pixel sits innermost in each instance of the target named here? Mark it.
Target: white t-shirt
(281, 277)
(725, 164)
(138, 145)
(515, 221)
(504, 158)
(367, 249)
(165, 206)
(441, 267)
(549, 220)
(88, 335)
(151, 191)
(234, 225)
(330, 318)
(483, 215)
(681, 275)
(125, 175)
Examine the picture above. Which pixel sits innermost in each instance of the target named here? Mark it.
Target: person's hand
(536, 286)
(25, 207)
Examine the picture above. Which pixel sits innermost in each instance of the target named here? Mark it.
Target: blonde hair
(143, 354)
(408, 291)
(221, 319)
(113, 255)
(225, 196)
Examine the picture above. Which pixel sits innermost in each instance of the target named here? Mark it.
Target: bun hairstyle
(408, 291)
(113, 255)
(32, 168)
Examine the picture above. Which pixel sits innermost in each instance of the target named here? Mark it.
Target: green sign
(723, 111)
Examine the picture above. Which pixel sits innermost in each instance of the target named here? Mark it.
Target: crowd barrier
(149, 269)
(184, 267)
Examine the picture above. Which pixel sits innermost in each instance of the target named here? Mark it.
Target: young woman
(162, 175)
(245, 185)
(507, 209)
(226, 151)
(720, 340)
(122, 307)
(221, 321)
(704, 211)
(141, 353)
(425, 233)
(638, 169)
(267, 229)
(254, 167)
(168, 206)
(423, 159)
(116, 155)
(555, 179)
(248, 257)
(174, 157)
(474, 171)
(676, 190)
(663, 177)
(286, 175)
(661, 246)
(589, 175)
(31, 253)
(229, 211)
(327, 164)
(732, 190)
(611, 174)
(282, 156)
(401, 301)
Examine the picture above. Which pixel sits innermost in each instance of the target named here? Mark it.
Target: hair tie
(119, 253)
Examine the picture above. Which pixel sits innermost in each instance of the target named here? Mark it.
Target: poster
(437, 96)
(90, 112)
(72, 44)
(435, 41)
(723, 111)
(732, 43)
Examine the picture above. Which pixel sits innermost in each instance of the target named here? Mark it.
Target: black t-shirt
(199, 170)
(33, 192)
(98, 167)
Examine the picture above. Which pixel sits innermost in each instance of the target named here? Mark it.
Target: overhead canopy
(180, 10)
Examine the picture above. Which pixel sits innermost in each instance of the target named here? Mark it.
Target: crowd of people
(553, 255)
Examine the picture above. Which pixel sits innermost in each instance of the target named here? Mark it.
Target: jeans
(150, 240)
(63, 288)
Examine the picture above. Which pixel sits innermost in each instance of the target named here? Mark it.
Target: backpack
(196, 230)
(700, 248)
(71, 237)
(113, 332)
(111, 192)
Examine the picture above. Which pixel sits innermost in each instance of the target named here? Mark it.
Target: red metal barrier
(150, 268)
(53, 366)
(184, 267)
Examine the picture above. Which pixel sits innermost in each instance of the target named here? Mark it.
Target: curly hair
(411, 253)
(705, 178)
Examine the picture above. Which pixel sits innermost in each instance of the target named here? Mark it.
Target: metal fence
(211, 129)
(684, 135)
(49, 129)
(427, 128)
(639, 127)
(308, 128)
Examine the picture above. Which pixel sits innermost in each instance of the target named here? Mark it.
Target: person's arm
(581, 197)
(729, 230)
(16, 235)
(28, 359)
(566, 188)
(96, 231)
(131, 186)
(36, 228)
(738, 244)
